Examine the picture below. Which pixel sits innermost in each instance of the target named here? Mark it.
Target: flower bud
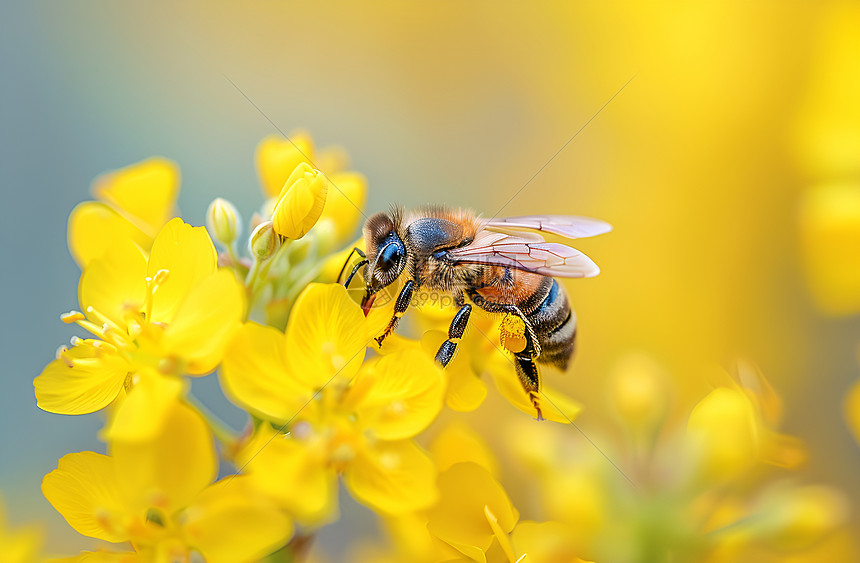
(264, 241)
(301, 202)
(223, 221)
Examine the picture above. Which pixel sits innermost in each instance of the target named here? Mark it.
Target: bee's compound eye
(390, 256)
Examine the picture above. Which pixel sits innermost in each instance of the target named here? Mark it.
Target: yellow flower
(133, 203)
(159, 496)
(152, 318)
(301, 202)
(342, 417)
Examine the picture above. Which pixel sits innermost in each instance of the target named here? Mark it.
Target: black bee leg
(529, 376)
(455, 333)
(355, 249)
(353, 272)
(400, 306)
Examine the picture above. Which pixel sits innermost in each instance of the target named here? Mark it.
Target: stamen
(67, 359)
(72, 317)
(60, 351)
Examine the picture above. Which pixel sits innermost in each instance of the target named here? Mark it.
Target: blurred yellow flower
(852, 410)
(694, 492)
(21, 544)
(152, 318)
(159, 496)
(133, 204)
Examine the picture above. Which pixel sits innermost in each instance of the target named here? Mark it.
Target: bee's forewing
(545, 258)
(569, 226)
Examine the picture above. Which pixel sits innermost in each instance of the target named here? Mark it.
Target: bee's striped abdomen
(554, 323)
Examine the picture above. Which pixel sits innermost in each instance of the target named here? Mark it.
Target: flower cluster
(293, 348)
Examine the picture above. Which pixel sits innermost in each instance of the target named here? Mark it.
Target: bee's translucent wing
(569, 226)
(545, 258)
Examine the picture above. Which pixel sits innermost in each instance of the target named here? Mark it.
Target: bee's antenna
(615, 95)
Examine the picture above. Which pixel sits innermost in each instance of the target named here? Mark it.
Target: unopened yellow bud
(638, 391)
(264, 241)
(223, 221)
(301, 202)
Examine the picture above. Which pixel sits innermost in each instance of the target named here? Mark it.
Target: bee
(501, 265)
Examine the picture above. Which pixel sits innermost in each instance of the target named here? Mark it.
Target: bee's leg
(342, 268)
(353, 272)
(400, 306)
(455, 333)
(529, 375)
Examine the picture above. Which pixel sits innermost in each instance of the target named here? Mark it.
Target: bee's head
(386, 255)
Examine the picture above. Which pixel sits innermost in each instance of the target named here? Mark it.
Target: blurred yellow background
(707, 165)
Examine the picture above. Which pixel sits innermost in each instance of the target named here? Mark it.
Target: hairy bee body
(486, 264)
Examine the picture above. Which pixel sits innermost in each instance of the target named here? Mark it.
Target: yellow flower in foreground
(171, 314)
(300, 203)
(133, 203)
(342, 417)
(159, 496)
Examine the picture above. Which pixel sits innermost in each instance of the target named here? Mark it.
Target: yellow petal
(141, 416)
(114, 284)
(84, 490)
(465, 391)
(294, 471)
(392, 477)
(277, 157)
(94, 380)
(325, 336)
(228, 522)
(301, 202)
(144, 192)
(172, 468)
(398, 396)
(94, 227)
(205, 322)
(459, 518)
(255, 374)
(458, 443)
(188, 255)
